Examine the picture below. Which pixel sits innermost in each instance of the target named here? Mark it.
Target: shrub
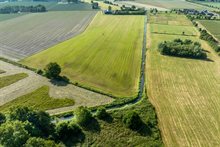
(101, 113)
(2, 118)
(83, 116)
(52, 70)
(132, 120)
(66, 131)
(40, 72)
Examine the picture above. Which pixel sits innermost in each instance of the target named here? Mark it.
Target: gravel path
(34, 81)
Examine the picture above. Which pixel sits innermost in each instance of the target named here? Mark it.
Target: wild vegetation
(110, 59)
(34, 127)
(8, 80)
(185, 92)
(181, 48)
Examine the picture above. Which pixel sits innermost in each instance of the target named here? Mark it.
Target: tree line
(18, 9)
(180, 48)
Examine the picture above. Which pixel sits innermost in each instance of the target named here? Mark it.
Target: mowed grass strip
(106, 56)
(39, 99)
(212, 26)
(185, 93)
(8, 80)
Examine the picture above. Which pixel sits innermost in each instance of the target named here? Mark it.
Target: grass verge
(38, 99)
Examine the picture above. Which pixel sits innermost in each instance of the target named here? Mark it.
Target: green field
(171, 4)
(38, 99)
(8, 80)
(53, 6)
(212, 26)
(106, 56)
(184, 91)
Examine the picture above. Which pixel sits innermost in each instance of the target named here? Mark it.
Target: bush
(40, 72)
(52, 70)
(101, 113)
(182, 48)
(132, 120)
(66, 131)
(2, 118)
(83, 116)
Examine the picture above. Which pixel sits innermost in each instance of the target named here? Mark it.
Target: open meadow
(212, 26)
(106, 56)
(28, 34)
(184, 91)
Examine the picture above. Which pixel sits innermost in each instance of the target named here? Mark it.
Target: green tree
(13, 134)
(40, 142)
(52, 70)
(40, 119)
(83, 116)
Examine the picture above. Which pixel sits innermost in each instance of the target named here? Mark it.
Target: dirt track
(34, 81)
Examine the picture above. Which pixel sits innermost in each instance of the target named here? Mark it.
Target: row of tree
(180, 48)
(18, 9)
(211, 40)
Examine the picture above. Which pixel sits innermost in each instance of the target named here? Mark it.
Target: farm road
(35, 81)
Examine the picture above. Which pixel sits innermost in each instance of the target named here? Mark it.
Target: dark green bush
(2, 118)
(66, 131)
(132, 120)
(101, 113)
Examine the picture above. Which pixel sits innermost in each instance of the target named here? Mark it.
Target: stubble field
(185, 92)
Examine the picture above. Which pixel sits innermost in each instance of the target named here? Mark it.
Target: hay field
(212, 26)
(105, 57)
(25, 35)
(184, 91)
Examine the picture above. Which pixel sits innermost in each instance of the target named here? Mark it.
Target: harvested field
(53, 6)
(140, 5)
(8, 80)
(107, 56)
(33, 82)
(185, 93)
(9, 16)
(212, 26)
(29, 34)
(170, 4)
